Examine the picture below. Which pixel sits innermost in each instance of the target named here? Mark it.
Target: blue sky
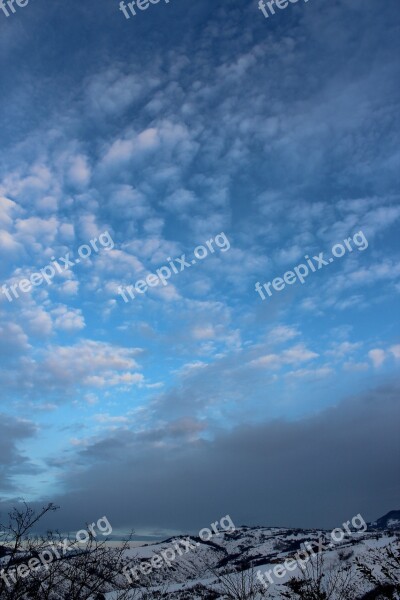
(165, 130)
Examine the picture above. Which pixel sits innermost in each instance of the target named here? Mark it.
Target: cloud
(63, 373)
(7, 209)
(377, 356)
(180, 201)
(37, 321)
(282, 333)
(319, 373)
(343, 349)
(68, 288)
(395, 350)
(203, 333)
(13, 340)
(260, 474)
(108, 419)
(112, 92)
(355, 367)
(89, 361)
(13, 432)
(68, 319)
(79, 172)
(8, 243)
(295, 355)
(35, 229)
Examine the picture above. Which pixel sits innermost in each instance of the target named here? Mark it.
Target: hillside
(196, 574)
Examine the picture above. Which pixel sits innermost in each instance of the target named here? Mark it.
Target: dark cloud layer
(313, 472)
(13, 461)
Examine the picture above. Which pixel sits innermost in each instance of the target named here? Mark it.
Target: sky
(189, 122)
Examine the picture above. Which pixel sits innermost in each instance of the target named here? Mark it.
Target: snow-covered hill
(263, 560)
(390, 521)
(197, 573)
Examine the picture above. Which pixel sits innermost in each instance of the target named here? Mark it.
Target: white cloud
(91, 398)
(12, 339)
(90, 363)
(180, 201)
(282, 333)
(7, 208)
(289, 255)
(68, 288)
(355, 367)
(79, 172)
(68, 319)
(298, 353)
(38, 321)
(106, 418)
(377, 356)
(319, 373)
(112, 92)
(343, 349)
(8, 243)
(35, 230)
(188, 368)
(67, 231)
(395, 350)
(203, 332)
(295, 355)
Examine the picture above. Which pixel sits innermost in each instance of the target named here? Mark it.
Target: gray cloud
(13, 462)
(313, 472)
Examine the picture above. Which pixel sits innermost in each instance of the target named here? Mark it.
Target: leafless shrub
(318, 581)
(343, 555)
(238, 584)
(83, 574)
(381, 569)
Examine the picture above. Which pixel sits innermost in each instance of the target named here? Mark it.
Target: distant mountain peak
(389, 521)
